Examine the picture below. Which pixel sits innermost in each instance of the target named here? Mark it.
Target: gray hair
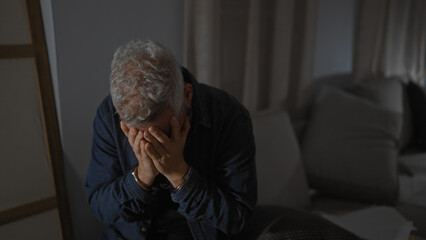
(145, 79)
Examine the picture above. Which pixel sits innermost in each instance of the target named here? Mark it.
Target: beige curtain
(391, 39)
(259, 51)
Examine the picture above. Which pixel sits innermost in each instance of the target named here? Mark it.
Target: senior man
(171, 158)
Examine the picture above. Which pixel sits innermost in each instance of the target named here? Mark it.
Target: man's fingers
(132, 135)
(158, 134)
(157, 145)
(124, 128)
(142, 147)
(151, 151)
(136, 143)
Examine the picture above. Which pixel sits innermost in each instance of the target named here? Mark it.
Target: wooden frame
(38, 51)
(16, 51)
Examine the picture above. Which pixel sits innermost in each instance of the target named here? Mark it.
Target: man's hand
(146, 168)
(167, 153)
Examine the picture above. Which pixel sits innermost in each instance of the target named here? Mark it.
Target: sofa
(352, 146)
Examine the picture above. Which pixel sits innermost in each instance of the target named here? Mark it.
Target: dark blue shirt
(221, 191)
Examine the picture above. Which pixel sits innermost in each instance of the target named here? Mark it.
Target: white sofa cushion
(350, 147)
(280, 173)
(385, 92)
(388, 93)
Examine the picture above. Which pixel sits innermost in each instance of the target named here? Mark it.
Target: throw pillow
(281, 177)
(350, 148)
(388, 93)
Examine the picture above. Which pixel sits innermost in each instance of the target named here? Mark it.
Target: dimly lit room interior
(335, 90)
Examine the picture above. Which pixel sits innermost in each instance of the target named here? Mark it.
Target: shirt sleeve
(113, 195)
(226, 200)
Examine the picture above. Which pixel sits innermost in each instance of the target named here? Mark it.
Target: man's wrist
(183, 181)
(178, 176)
(141, 183)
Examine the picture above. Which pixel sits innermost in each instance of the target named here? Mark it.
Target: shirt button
(144, 229)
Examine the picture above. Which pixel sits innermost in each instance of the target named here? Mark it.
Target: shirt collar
(199, 109)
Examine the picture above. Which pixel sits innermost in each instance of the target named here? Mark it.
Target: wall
(334, 36)
(83, 38)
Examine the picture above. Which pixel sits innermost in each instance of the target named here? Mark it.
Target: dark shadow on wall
(85, 225)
